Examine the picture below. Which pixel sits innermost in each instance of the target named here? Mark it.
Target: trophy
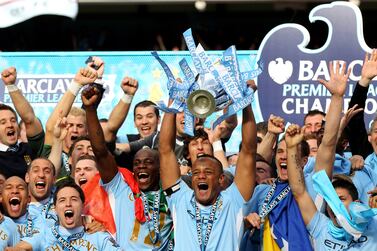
(216, 85)
(208, 98)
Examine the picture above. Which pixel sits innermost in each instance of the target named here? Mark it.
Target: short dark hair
(313, 113)
(103, 120)
(198, 133)
(44, 158)
(206, 156)
(304, 149)
(80, 138)
(259, 158)
(4, 107)
(147, 103)
(68, 182)
(262, 127)
(346, 184)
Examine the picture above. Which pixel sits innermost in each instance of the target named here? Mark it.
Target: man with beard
(207, 217)
(40, 178)
(131, 232)
(69, 232)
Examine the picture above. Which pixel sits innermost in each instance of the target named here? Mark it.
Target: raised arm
(358, 136)
(32, 124)
(337, 87)
(83, 76)
(245, 170)
(266, 147)
(120, 111)
(214, 137)
(293, 138)
(169, 168)
(107, 166)
(60, 131)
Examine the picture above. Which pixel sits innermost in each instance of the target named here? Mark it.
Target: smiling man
(16, 155)
(85, 169)
(207, 217)
(40, 178)
(69, 232)
(131, 232)
(15, 200)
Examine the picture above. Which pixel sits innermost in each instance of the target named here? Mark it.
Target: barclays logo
(280, 71)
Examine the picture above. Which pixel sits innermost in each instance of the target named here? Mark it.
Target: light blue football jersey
(130, 233)
(227, 228)
(323, 241)
(45, 240)
(8, 233)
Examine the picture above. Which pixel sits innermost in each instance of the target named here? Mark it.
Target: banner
(288, 86)
(44, 78)
(16, 11)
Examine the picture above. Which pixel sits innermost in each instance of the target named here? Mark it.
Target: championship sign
(288, 86)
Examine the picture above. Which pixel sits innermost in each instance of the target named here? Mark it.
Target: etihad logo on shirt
(338, 246)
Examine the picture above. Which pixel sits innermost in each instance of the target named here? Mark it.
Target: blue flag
(287, 224)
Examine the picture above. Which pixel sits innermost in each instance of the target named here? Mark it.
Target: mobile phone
(90, 60)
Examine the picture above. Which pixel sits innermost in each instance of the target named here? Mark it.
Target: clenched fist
(9, 76)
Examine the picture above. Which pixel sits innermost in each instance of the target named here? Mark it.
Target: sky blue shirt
(44, 208)
(38, 222)
(323, 241)
(8, 233)
(130, 233)
(45, 240)
(227, 229)
(363, 184)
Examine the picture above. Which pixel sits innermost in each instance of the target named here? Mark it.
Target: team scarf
(353, 222)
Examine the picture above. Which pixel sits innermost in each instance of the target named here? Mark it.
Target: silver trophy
(208, 98)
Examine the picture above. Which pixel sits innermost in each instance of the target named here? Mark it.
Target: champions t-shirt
(46, 240)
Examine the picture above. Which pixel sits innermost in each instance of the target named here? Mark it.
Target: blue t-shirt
(363, 184)
(227, 228)
(48, 242)
(45, 209)
(130, 233)
(323, 240)
(8, 233)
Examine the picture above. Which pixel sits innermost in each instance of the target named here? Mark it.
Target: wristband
(127, 98)
(74, 87)
(217, 146)
(99, 81)
(12, 88)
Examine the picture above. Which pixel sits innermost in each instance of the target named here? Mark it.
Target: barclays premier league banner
(288, 85)
(44, 77)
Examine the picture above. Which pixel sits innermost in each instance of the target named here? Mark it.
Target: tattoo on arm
(299, 169)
